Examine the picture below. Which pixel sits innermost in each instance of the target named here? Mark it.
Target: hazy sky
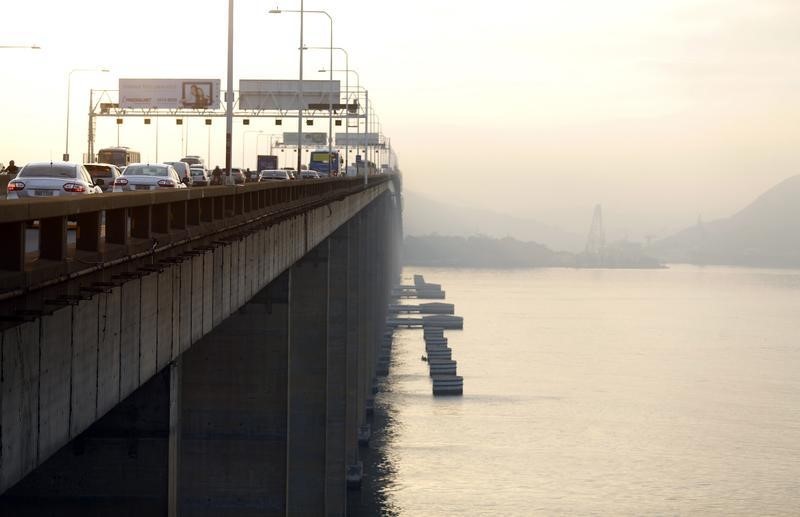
(658, 109)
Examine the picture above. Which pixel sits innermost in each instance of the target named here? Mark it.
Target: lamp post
(347, 94)
(69, 87)
(347, 101)
(271, 140)
(229, 96)
(330, 101)
(244, 134)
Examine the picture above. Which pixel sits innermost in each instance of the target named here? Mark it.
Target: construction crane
(596, 242)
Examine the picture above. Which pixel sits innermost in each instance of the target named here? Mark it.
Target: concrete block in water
(442, 367)
(444, 354)
(448, 385)
(444, 321)
(436, 341)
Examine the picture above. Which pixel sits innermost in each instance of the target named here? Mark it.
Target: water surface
(602, 392)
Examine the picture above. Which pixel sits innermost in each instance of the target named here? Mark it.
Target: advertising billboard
(308, 139)
(356, 139)
(279, 94)
(169, 93)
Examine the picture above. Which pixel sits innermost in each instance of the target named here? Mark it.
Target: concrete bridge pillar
(355, 373)
(234, 409)
(364, 303)
(308, 361)
(338, 307)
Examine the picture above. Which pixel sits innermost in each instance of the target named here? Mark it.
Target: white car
(148, 176)
(199, 176)
(52, 179)
(309, 175)
(274, 175)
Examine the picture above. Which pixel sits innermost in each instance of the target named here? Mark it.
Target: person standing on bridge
(216, 176)
(12, 169)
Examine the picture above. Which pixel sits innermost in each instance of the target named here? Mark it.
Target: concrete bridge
(198, 352)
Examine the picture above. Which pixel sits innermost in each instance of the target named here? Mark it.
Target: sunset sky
(661, 110)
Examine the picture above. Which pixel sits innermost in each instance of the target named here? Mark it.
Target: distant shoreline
(539, 266)
(487, 252)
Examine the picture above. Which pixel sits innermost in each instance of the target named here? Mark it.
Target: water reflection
(380, 467)
(597, 392)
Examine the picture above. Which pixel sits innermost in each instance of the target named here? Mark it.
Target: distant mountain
(423, 216)
(479, 251)
(766, 233)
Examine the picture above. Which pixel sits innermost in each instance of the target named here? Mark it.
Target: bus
(360, 166)
(119, 156)
(324, 162)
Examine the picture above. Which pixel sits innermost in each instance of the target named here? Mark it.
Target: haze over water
(603, 392)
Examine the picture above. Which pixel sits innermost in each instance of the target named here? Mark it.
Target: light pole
(347, 71)
(347, 94)
(69, 87)
(229, 96)
(299, 90)
(271, 140)
(330, 100)
(244, 134)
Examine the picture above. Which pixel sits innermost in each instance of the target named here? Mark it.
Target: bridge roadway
(201, 352)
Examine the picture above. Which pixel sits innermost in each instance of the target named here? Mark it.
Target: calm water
(600, 392)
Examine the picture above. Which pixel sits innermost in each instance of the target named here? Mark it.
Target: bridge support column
(364, 374)
(308, 336)
(234, 409)
(338, 296)
(354, 375)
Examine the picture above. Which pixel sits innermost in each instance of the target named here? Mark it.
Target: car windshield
(99, 171)
(48, 170)
(145, 170)
(197, 172)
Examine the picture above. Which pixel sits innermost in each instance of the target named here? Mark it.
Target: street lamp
(330, 101)
(271, 141)
(69, 86)
(244, 134)
(366, 111)
(347, 95)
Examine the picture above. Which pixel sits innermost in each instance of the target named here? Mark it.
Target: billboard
(356, 139)
(279, 94)
(169, 93)
(320, 139)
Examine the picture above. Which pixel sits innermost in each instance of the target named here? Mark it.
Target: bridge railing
(121, 224)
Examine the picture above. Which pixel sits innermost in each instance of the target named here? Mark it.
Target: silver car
(274, 175)
(103, 174)
(309, 175)
(51, 179)
(238, 176)
(199, 176)
(182, 168)
(148, 176)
